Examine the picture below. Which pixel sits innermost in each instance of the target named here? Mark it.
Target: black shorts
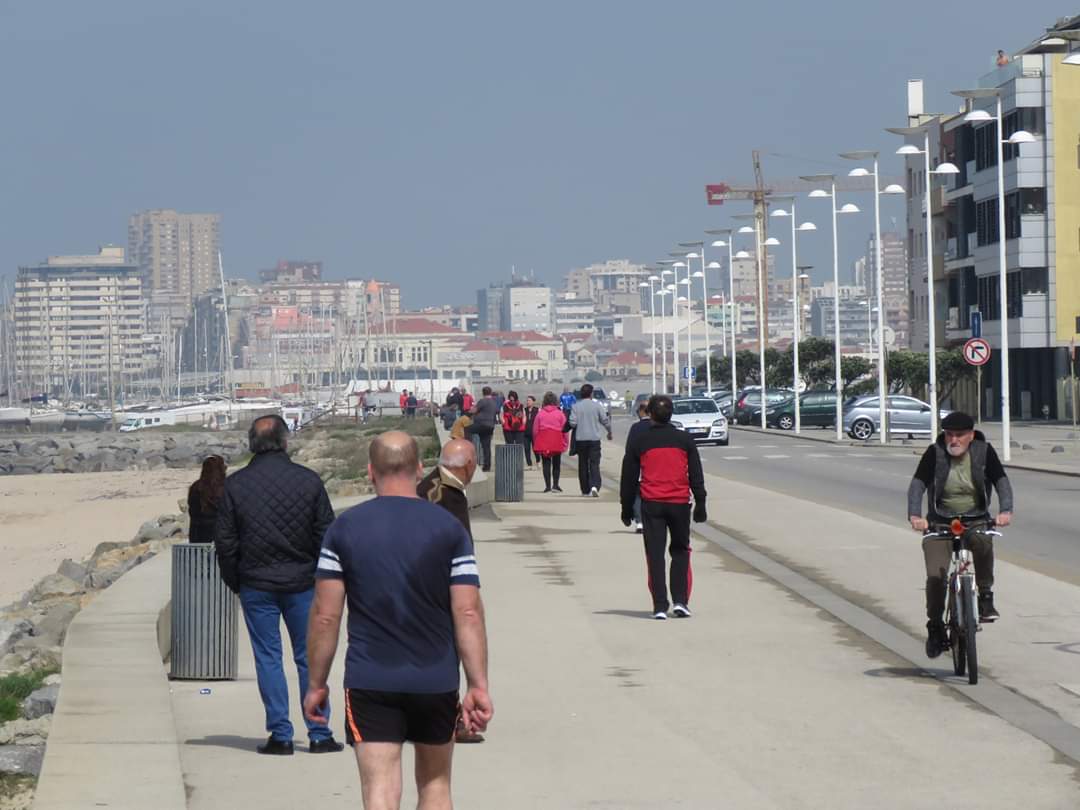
(397, 717)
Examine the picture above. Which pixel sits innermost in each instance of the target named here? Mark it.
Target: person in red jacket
(403, 400)
(663, 462)
(550, 440)
(467, 401)
(513, 418)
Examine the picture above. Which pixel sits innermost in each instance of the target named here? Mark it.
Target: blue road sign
(976, 324)
(689, 373)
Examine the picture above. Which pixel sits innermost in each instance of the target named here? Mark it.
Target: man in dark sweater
(270, 528)
(485, 415)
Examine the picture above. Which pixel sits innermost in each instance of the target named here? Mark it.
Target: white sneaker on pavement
(660, 615)
(681, 612)
(594, 493)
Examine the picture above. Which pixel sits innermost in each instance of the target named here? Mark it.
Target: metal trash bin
(205, 617)
(509, 473)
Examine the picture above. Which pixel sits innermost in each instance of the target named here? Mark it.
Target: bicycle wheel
(955, 630)
(971, 626)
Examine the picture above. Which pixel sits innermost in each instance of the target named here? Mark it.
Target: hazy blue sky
(441, 143)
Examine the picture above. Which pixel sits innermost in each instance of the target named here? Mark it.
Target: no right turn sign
(977, 351)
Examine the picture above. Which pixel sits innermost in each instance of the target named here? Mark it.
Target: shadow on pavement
(628, 614)
(228, 741)
(899, 672)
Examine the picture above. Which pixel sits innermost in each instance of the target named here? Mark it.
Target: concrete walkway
(759, 701)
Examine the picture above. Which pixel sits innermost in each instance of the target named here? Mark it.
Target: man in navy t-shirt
(407, 569)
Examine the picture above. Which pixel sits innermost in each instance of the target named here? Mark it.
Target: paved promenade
(762, 700)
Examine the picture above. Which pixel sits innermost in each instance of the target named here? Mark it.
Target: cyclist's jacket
(666, 461)
(987, 474)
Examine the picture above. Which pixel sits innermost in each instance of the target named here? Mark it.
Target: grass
(12, 785)
(15, 688)
(351, 444)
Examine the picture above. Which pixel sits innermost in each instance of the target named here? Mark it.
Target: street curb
(790, 434)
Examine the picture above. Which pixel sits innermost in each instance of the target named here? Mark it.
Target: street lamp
(805, 226)
(652, 328)
(892, 188)
(689, 346)
(943, 168)
(704, 307)
(727, 242)
(847, 208)
(761, 270)
(1017, 138)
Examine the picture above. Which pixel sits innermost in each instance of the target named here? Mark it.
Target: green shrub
(15, 688)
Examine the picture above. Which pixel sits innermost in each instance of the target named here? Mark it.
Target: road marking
(734, 458)
(776, 456)
(859, 455)
(766, 447)
(822, 455)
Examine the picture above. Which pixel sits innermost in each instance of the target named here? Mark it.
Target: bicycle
(962, 610)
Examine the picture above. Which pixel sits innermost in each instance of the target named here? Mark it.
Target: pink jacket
(548, 436)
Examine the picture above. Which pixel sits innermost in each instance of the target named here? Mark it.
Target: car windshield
(686, 406)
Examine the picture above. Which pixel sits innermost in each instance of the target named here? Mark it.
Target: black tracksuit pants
(660, 519)
(588, 453)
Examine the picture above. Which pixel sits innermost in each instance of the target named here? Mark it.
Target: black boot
(936, 640)
(987, 611)
(280, 748)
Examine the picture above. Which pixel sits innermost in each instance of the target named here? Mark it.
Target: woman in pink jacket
(550, 440)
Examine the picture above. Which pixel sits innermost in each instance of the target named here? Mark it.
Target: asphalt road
(873, 482)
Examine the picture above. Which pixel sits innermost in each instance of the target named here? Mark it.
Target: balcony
(1028, 66)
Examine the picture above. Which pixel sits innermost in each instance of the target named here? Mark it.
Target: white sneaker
(638, 527)
(594, 493)
(660, 615)
(681, 612)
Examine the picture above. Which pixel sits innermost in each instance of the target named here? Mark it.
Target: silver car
(906, 416)
(701, 418)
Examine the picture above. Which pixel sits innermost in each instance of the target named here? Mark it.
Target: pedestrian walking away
(531, 410)
(591, 423)
(550, 441)
(410, 405)
(204, 498)
(415, 619)
(270, 528)
(485, 413)
(958, 473)
(446, 486)
(662, 463)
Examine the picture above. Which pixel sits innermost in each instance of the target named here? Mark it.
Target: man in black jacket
(270, 529)
(959, 471)
(662, 462)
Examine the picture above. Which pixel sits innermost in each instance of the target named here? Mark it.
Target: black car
(816, 409)
(749, 404)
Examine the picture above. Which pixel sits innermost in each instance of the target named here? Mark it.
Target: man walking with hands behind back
(591, 423)
(664, 463)
(415, 614)
(270, 527)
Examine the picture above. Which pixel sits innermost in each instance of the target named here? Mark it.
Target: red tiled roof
(629, 358)
(479, 346)
(414, 326)
(516, 336)
(517, 353)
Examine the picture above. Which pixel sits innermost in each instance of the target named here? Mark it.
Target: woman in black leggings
(549, 440)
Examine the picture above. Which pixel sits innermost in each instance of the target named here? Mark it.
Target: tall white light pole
(727, 242)
(652, 328)
(723, 318)
(1017, 138)
(805, 226)
(662, 292)
(673, 294)
(847, 208)
(700, 246)
(943, 168)
(685, 282)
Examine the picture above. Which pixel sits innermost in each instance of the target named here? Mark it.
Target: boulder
(24, 760)
(12, 662)
(52, 680)
(72, 570)
(52, 629)
(11, 631)
(25, 732)
(41, 702)
(56, 585)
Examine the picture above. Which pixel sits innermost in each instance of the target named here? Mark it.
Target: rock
(24, 760)
(41, 702)
(53, 628)
(11, 631)
(179, 456)
(52, 680)
(56, 585)
(1057, 448)
(12, 662)
(1027, 447)
(72, 570)
(26, 732)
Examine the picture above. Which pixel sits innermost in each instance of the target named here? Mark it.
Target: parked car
(701, 418)
(640, 398)
(816, 409)
(600, 396)
(749, 402)
(905, 415)
(726, 403)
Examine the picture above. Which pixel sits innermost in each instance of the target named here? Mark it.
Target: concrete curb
(788, 434)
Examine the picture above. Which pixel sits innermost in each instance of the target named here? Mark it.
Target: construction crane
(760, 193)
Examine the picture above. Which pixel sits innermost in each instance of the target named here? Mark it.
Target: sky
(442, 144)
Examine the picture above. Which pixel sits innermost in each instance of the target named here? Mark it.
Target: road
(872, 482)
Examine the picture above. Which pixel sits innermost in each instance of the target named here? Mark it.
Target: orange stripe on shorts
(357, 737)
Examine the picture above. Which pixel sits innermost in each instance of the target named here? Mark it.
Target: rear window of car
(686, 406)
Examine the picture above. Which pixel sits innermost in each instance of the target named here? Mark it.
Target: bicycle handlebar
(944, 531)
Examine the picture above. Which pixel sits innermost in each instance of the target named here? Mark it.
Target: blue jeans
(263, 612)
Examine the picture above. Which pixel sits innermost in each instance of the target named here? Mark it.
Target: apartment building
(177, 253)
(78, 321)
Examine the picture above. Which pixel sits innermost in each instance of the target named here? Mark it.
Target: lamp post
(879, 277)
(1017, 138)
(723, 321)
(689, 343)
(943, 168)
(847, 208)
(704, 307)
(652, 328)
(727, 232)
(755, 231)
(805, 226)
(662, 292)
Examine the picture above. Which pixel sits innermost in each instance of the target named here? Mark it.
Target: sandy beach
(45, 518)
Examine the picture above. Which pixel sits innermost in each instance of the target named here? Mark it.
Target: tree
(910, 371)
(952, 368)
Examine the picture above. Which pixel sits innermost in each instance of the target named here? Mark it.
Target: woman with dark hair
(549, 441)
(203, 499)
(513, 420)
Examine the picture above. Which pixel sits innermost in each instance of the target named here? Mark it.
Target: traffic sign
(689, 373)
(977, 351)
(976, 324)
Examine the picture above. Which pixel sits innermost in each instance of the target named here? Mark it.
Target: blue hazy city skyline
(439, 145)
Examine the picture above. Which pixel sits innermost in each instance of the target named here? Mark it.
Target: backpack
(514, 416)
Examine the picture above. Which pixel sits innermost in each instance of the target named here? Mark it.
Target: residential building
(894, 285)
(79, 323)
(292, 271)
(1040, 95)
(489, 307)
(614, 286)
(854, 323)
(573, 314)
(528, 306)
(177, 253)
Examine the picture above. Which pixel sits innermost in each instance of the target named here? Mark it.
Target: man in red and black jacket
(663, 463)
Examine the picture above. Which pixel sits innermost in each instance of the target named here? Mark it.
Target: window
(986, 222)
(1035, 280)
(1029, 119)
(905, 404)
(985, 147)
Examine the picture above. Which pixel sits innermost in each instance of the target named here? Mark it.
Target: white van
(147, 420)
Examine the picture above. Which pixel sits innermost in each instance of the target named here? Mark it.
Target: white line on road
(776, 456)
(735, 458)
(766, 447)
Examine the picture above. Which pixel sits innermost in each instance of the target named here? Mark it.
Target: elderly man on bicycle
(959, 471)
